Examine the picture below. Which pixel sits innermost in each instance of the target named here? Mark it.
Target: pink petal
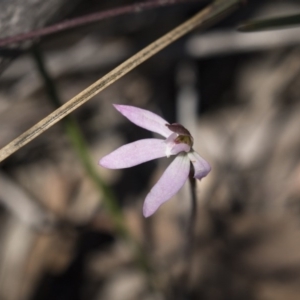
(177, 148)
(145, 119)
(168, 185)
(201, 166)
(134, 154)
(173, 148)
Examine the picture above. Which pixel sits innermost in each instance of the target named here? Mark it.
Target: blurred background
(238, 94)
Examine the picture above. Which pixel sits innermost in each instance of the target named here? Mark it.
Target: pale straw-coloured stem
(207, 15)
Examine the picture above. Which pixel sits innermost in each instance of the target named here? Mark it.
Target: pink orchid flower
(178, 142)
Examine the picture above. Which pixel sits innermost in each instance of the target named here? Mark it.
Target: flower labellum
(178, 142)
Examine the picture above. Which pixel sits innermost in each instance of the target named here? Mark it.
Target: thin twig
(88, 19)
(207, 15)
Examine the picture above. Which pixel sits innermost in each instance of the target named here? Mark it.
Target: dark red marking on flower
(184, 135)
(179, 129)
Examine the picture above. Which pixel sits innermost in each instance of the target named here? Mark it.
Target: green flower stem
(79, 144)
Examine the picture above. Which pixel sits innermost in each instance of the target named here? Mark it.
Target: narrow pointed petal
(201, 166)
(134, 154)
(145, 119)
(168, 185)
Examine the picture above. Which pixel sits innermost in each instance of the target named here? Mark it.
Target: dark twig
(91, 18)
(181, 289)
(193, 213)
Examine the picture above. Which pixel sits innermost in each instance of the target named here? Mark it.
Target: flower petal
(173, 148)
(201, 166)
(177, 148)
(145, 119)
(168, 185)
(134, 154)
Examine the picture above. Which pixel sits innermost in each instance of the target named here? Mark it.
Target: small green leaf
(271, 24)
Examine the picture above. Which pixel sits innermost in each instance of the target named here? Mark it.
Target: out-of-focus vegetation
(238, 94)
